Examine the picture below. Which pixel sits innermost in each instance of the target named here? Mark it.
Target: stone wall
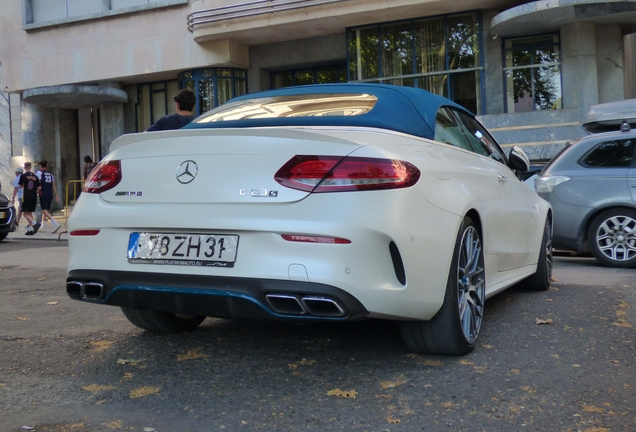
(6, 174)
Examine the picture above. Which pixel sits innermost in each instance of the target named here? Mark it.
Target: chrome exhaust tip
(285, 304)
(85, 290)
(93, 291)
(322, 306)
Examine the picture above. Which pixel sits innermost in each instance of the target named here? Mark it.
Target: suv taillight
(342, 174)
(104, 176)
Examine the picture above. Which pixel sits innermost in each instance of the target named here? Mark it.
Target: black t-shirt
(170, 122)
(30, 183)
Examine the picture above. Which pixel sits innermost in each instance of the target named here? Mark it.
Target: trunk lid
(214, 166)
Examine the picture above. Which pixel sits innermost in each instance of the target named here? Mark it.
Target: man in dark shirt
(30, 185)
(47, 191)
(184, 101)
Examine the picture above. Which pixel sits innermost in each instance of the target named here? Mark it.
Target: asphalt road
(69, 366)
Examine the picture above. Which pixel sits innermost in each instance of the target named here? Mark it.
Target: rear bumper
(215, 296)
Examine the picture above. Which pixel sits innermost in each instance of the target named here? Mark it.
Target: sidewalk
(44, 233)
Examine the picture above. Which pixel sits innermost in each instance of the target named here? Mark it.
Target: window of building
(438, 54)
(39, 13)
(214, 86)
(532, 73)
(153, 101)
(318, 75)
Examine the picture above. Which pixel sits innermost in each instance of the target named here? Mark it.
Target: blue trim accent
(210, 293)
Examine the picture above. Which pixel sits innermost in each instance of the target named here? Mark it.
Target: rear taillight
(315, 239)
(104, 176)
(80, 233)
(342, 174)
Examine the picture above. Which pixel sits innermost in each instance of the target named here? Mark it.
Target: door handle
(502, 178)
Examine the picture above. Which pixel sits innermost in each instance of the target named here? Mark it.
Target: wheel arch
(473, 214)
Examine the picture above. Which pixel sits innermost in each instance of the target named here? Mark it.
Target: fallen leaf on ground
(23, 318)
(553, 279)
(540, 321)
(347, 394)
(52, 303)
(433, 363)
(392, 420)
(191, 355)
(42, 279)
(307, 362)
(392, 384)
(117, 424)
(128, 361)
(412, 355)
(293, 365)
(101, 345)
(143, 391)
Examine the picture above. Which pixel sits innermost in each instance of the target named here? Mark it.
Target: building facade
(76, 74)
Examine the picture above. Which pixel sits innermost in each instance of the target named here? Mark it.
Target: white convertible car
(318, 203)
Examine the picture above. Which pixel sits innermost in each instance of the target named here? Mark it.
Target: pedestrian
(47, 192)
(30, 185)
(184, 102)
(88, 166)
(17, 191)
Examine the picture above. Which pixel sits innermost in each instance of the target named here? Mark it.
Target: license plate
(206, 250)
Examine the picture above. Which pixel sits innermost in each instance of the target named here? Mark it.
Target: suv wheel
(612, 238)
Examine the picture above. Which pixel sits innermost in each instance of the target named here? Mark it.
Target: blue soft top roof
(403, 109)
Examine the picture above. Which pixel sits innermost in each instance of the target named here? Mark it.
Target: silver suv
(591, 185)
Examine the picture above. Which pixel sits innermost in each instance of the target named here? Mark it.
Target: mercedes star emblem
(187, 171)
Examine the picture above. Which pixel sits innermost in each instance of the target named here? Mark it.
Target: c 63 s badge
(258, 193)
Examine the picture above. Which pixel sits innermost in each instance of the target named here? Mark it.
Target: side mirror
(518, 160)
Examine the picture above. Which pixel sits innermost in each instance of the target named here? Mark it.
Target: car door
(511, 218)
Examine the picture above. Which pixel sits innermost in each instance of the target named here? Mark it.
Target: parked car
(591, 185)
(320, 203)
(7, 216)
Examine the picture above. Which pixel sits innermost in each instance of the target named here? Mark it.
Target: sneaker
(29, 232)
(56, 226)
(36, 227)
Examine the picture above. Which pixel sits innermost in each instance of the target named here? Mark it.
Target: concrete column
(493, 64)
(579, 66)
(111, 124)
(38, 132)
(609, 58)
(51, 134)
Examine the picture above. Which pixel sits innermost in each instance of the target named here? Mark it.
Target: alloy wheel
(470, 284)
(616, 238)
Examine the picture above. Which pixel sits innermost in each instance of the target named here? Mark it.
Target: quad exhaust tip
(290, 304)
(85, 290)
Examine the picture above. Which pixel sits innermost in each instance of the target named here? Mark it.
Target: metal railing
(248, 9)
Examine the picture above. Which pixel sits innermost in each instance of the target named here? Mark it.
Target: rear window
(610, 154)
(319, 105)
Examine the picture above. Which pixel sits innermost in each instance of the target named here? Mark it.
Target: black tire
(612, 238)
(455, 327)
(3, 235)
(541, 279)
(162, 322)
